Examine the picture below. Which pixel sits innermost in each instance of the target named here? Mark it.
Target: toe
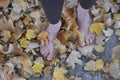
(91, 40)
(87, 40)
(82, 43)
(50, 56)
(46, 53)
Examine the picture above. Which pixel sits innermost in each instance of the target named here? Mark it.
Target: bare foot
(48, 51)
(84, 22)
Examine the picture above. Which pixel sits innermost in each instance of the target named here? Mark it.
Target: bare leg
(84, 22)
(53, 9)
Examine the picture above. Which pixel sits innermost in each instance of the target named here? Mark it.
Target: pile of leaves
(22, 29)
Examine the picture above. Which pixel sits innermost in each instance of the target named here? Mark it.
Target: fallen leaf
(37, 67)
(116, 53)
(59, 73)
(100, 39)
(86, 50)
(117, 17)
(106, 68)
(99, 48)
(31, 46)
(10, 49)
(117, 32)
(108, 32)
(16, 8)
(62, 36)
(24, 42)
(115, 70)
(4, 3)
(60, 47)
(97, 28)
(43, 35)
(117, 25)
(6, 35)
(47, 71)
(90, 66)
(99, 64)
(74, 58)
(35, 14)
(30, 34)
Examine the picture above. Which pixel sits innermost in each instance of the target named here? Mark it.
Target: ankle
(54, 28)
(57, 24)
(80, 8)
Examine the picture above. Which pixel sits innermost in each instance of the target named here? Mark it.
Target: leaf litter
(22, 28)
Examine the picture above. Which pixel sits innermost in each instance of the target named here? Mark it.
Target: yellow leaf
(59, 73)
(26, 21)
(97, 28)
(42, 36)
(24, 43)
(6, 35)
(30, 34)
(99, 64)
(99, 48)
(37, 67)
(117, 17)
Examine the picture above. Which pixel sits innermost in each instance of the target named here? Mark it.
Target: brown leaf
(4, 3)
(62, 36)
(116, 53)
(47, 71)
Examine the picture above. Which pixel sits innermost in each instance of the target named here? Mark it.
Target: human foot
(48, 50)
(84, 22)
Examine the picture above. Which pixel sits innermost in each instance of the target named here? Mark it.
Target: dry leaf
(74, 58)
(4, 3)
(99, 48)
(97, 28)
(31, 46)
(108, 32)
(90, 66)
(116, 53)
(35, 14)
(100, 39)
(30, 34)
(95, 11)
(99, 64)
(42, 36)
(26, 69)
(62, 36)
(37, 67)
(117, 32)
(47, 71)
(58, 46)
(117, 17)
(86, 50)
(24, 42)
(10, 49)
(16, 8)
(59, 73)
(106, 68)
(115, 70)
(6, 35)
(117, 24)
